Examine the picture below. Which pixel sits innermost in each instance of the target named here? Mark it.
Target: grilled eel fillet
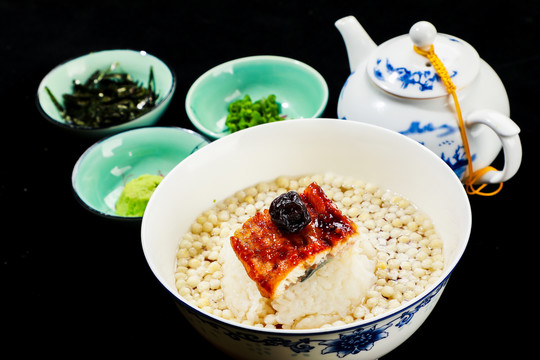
(275, 260)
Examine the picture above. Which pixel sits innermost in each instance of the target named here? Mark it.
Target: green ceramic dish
(136, 63)
(101, 172)
(300, 90)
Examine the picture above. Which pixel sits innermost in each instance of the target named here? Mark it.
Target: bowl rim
(91, 148)
(247, 59)
(436, 287)
(88, 129)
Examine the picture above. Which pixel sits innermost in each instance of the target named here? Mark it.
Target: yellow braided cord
(451, 88)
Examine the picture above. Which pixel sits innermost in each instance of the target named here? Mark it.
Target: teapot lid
(398, 69)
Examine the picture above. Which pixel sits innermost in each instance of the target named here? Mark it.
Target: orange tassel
(451, 88)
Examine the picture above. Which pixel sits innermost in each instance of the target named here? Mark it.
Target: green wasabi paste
(136, 193)
(244, 113)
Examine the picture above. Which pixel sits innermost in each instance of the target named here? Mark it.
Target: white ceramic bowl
(363, 151)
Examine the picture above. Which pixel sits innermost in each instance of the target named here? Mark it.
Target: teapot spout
(357, 41)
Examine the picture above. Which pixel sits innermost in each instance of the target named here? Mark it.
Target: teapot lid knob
(423, 34)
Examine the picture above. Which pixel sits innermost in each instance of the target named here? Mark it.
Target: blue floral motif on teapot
(451, 151)
(424, 79)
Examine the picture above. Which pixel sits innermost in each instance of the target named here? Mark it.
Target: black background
(74, 283)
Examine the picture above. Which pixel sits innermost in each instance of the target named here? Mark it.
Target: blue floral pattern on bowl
(345, 342)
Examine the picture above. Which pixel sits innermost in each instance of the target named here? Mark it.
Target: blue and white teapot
(393, 86)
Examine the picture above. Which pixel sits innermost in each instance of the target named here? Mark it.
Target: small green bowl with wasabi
(116, 176)
(300, 91)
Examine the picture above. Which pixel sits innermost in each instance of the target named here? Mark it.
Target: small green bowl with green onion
(114, 106)
(300, 91)
(104, 169)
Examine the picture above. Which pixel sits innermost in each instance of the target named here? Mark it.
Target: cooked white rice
(398, 254)
(330, 294)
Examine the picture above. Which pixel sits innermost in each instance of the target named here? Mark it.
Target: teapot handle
(508, 132)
